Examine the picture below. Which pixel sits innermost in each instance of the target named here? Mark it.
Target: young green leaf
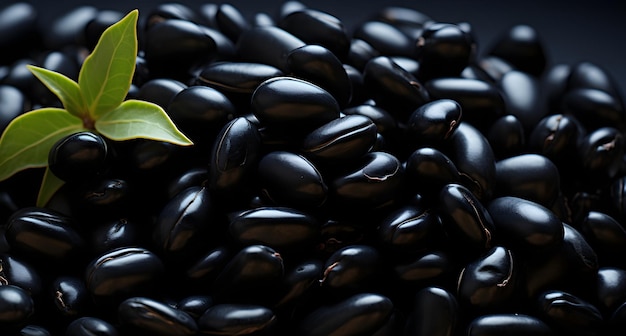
(66, 89)
(106, 74)
(27, 140)
(49, 186)
(140, 119)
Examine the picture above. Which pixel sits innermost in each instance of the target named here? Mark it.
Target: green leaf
(139, 119)
(107, 72)
(66, 89)
(27, 140)
(49, 186)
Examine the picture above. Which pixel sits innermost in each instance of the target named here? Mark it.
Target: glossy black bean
(14, 271)
(393, 88)
(507, 137)
(95, 27)
(408, 20)
(361, 313)
(606, 236)
(556, 137)
(230, 21)
(16, 308)
(489, 283)
(110, 196)
(164, 11)
(359, 94)
(236, 319)
(43, 233)
(174, 47)
(360, 53)
(435, 312)
(590, 75)
(601, 152)
(409, 229)
(34, 330)
(385, 123)
(206, 268)
(79, 156)
(318, 65)
(572, 266)
(280, 228)
(385, 38)
(434, 121)
(522, 94)
(200, 112)
(352, 268)
(525, 226)
(160, 91)
(474, 158)
(337, 234)
(251, 276)
(195, 176)
(568, 313)
(290, 6)
(409, 64)
(70, 296)
(18, 30)
(236, 77)
(340, 140)
(262, 19)
(315, 27)
(274, 101)
(113, 234)
(431, 268)
(88, 325)
(481, 102)
(521, 46)
(181, 225)
(513, 324)
(494, 67)
(443, 50)
(428, 169)
(123, 272)
(290, 179)
(234, 155)
(68, 28)
(465, 219)
(195, 305)
(267, 45)
(529, 176)
(594, 108)
(299, 281)
(19, 76)
(12, 103)
(143, 315)
(611, 289)
(374, 180)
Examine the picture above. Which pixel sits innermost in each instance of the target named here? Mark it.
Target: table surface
(572, 31)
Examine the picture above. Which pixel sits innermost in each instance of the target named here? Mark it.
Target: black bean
(408, 20)
(601, 152)
(43, 233)
(568, 313)
(594, 108)
(521, 91)
(164, 11)
(299, 283)
(522, 46)
(78, 156)
(18, 30)
(147, 316)
(489, 283)
(494, 67)
(160, 91)
(556, 137)
(610, 289)
(230, 21)
(318, 65)
(195, 305)
(87, 325)
(16, 308)
(236, 319)
(361, 313)
(14, 271)
(385, 38)
(606, 236)
(432, 268)
(267, 45)
(70, 296)
(274, 101)
(525, 226)
(352, 269)
(280, 228)
(69, 27)
(507, 137)
(12, 103)
(513, 324)
(410, 228)
(315, 27)
(434, 122)
(341, 140)
(529, 176)
(443, 50)
(96, 26)
(590, 75)
(122, 272)
(34, 330)
(360, 53)
(435, 312)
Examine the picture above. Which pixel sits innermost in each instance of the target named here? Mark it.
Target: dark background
(572, 31)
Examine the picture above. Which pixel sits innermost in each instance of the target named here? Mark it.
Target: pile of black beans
(382, 179)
